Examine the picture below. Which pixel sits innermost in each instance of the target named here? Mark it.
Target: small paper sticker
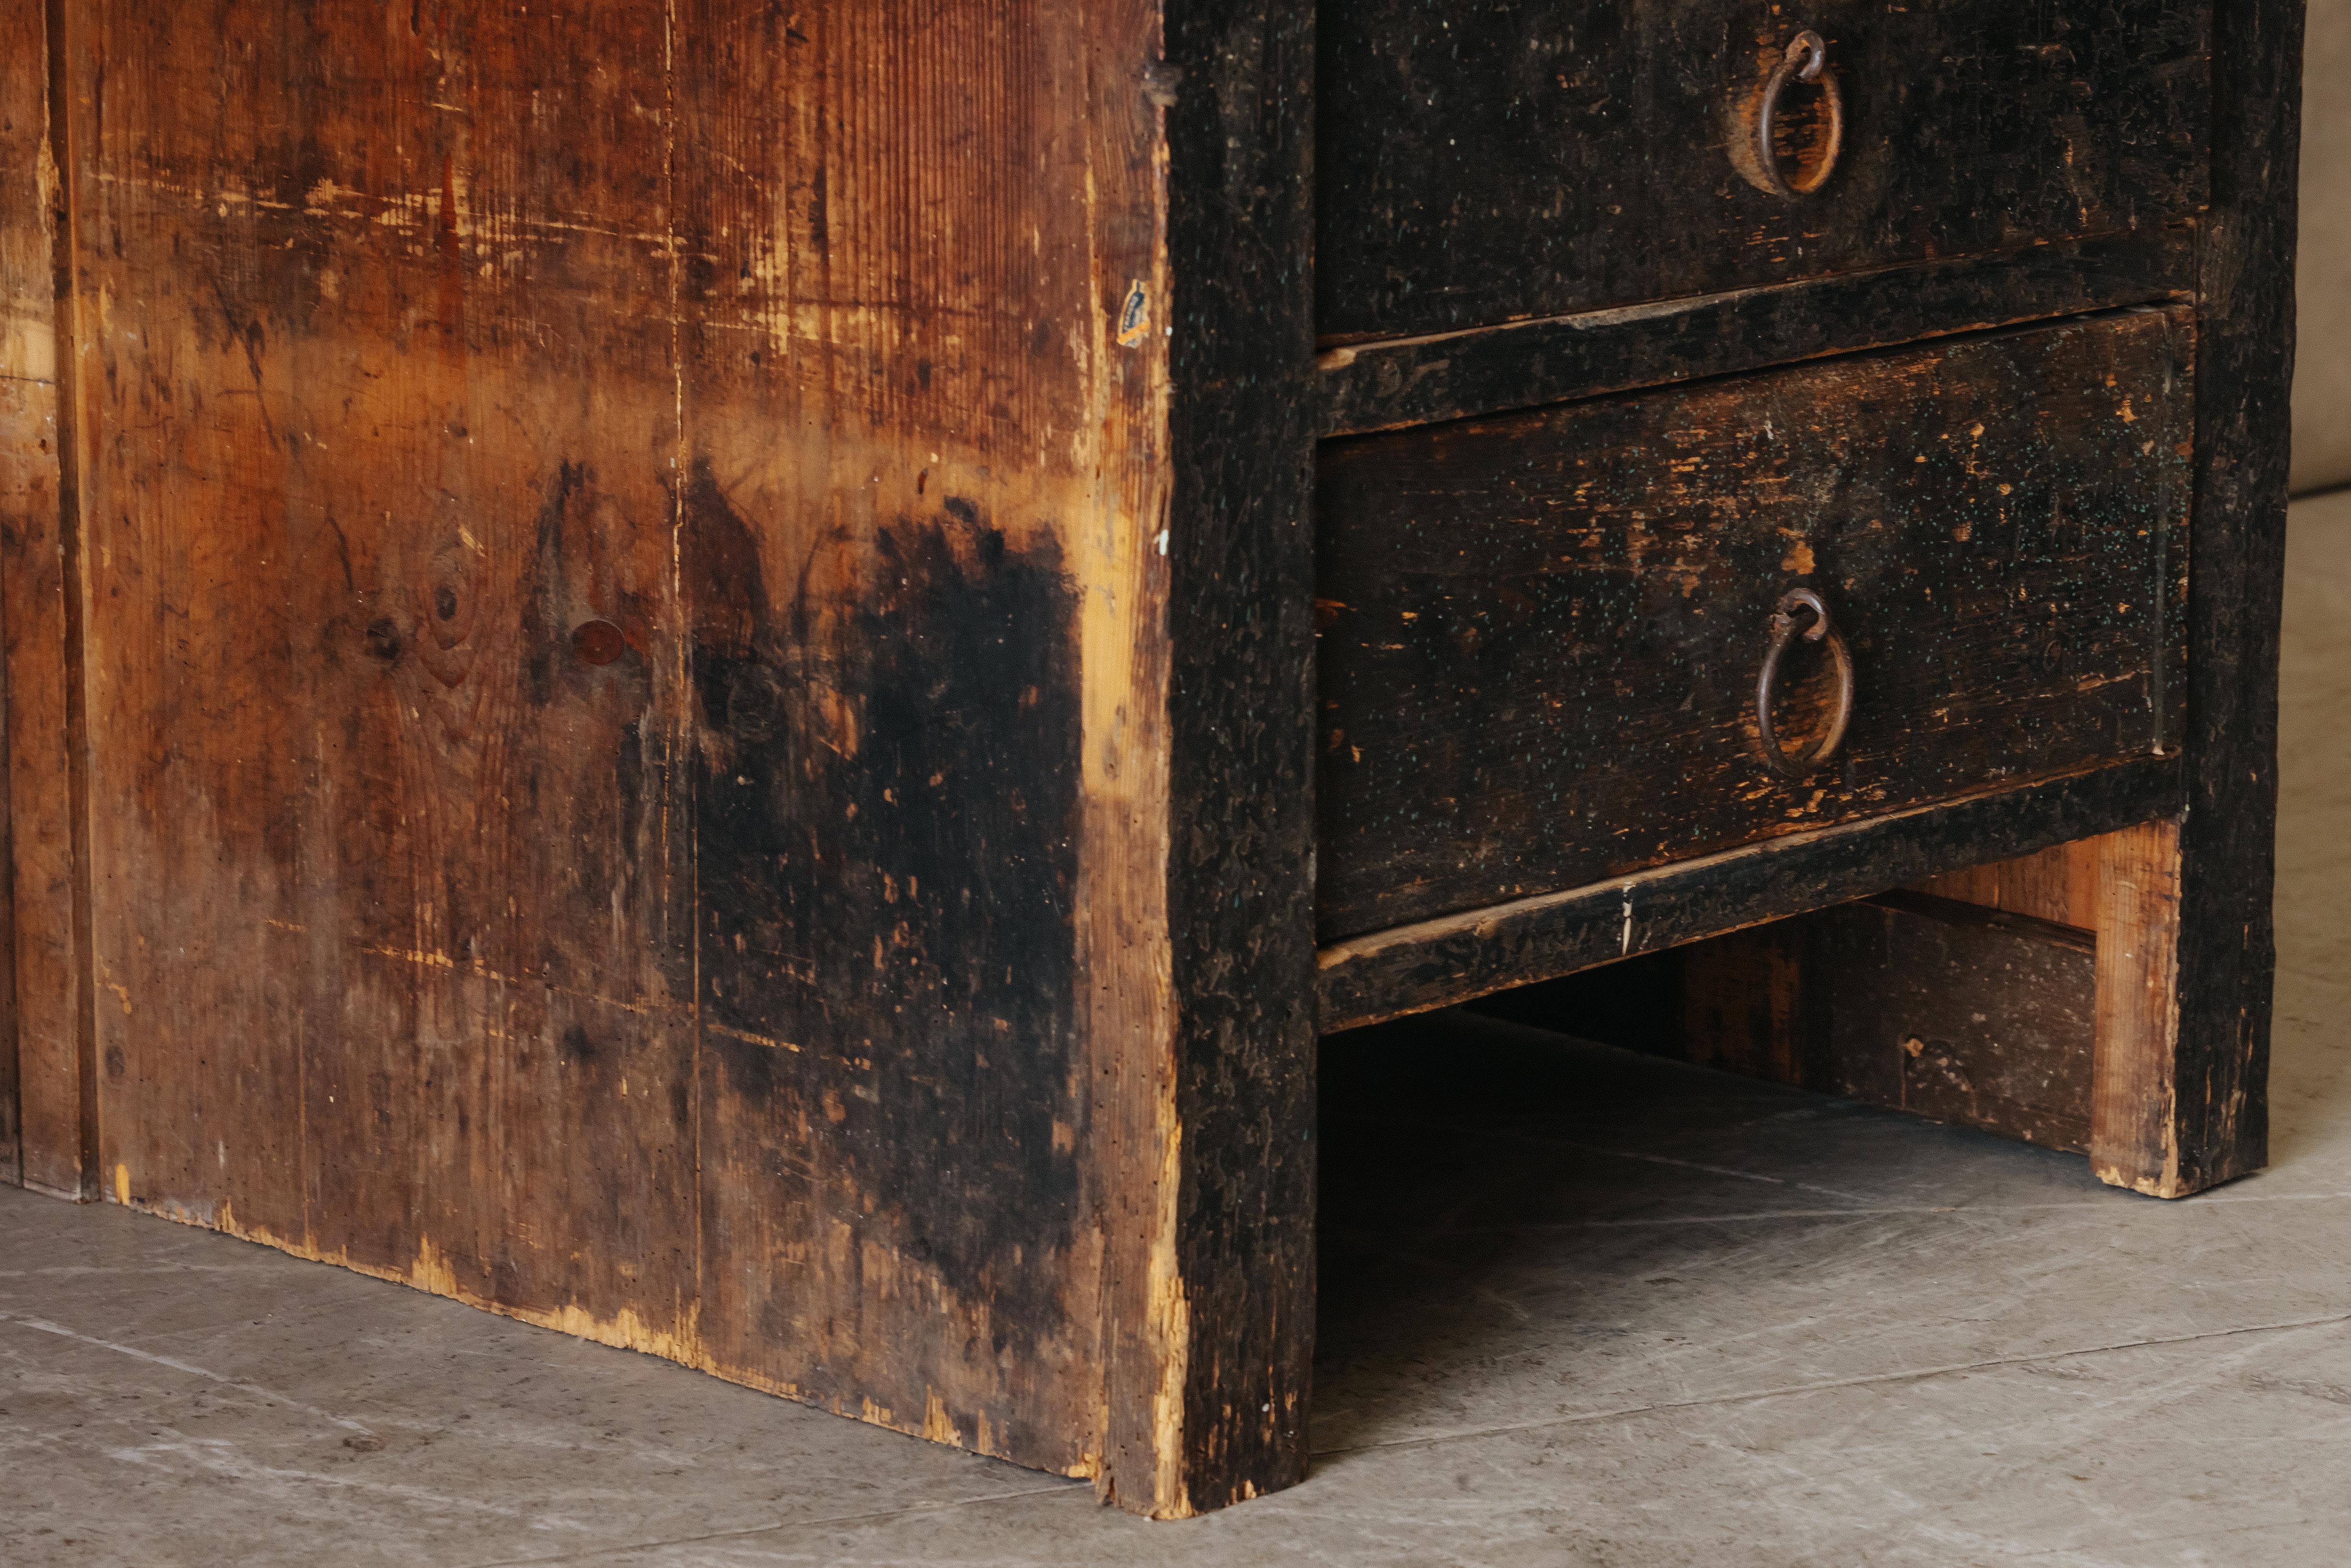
(1135, 316)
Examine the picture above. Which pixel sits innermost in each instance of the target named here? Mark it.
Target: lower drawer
(1543, 635)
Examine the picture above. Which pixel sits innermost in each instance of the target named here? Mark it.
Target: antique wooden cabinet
(747, 678)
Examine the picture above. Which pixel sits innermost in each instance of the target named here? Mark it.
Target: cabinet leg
(2170, 1114)
(2134, 1100)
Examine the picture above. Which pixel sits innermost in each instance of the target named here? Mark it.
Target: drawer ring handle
(1813, 51)
(1784, 632)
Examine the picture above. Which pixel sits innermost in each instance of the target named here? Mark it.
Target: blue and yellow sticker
(1135, 316)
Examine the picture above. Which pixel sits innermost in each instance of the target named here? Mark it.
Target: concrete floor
(1580, 1307)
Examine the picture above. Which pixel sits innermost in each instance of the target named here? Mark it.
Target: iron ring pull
(1784, 633)
(1807, 57)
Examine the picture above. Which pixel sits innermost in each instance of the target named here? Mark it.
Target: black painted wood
(2245, 283)
(1483, 163)
(1395, 382)
(1457, 958)
(1241, 871)
(1542, 631)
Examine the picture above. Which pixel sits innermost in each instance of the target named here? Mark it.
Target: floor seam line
(1061, 1490)
(1909, 1375)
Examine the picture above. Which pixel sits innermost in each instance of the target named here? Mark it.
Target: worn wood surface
(47, 1123)
(1483, 165)
(2059, 883)
(2125, 887)
(2227, 955)
(1389, 383)
(1457, 958)
(1240, 547)
(1918, 1004)
(2136, 1128)
(631, 710)
(1542, 632)
(1941, 1010)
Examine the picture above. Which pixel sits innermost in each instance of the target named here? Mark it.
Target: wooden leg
(2134, 1095)
(2039, 997)
(2168, 1115)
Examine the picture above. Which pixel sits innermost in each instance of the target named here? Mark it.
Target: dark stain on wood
(1543, 630)
(1242, 855)
(392, 898)
(2218, 1070)
(1488, 163)
(885, 799)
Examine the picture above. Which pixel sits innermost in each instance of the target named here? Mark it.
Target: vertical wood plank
(45, 1086)
(2227, 956)
(922, 495)
(29, 459)
(1240, 890)
(2136, 1099)
(390, 898)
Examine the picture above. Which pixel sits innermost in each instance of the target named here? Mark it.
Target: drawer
(1481, 164)
(1541, 636)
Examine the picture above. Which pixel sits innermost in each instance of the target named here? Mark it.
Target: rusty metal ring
(1784, 633)
(1813, 51)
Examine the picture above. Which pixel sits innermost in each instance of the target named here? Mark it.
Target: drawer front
(1480, 163)
(1541, 636)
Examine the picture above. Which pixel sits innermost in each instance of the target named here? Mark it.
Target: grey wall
(2322, 382)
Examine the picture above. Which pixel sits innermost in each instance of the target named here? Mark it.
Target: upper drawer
(1543, 634)
(1480, 163)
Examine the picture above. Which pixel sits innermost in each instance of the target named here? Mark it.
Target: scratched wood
(1542, 631)
(661, 674)
(630, 697)
(1490, 163)
(392, 889)
(44, 1102)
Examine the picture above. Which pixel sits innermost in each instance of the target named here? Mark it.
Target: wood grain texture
(1487, 164)
(2137, 1132)
(2125, 886)
(1542, 632)
(2227, 956)
(2059, 883)
(1458, 957)
(45, 1100)
(392, 891)
(1242, 851)
(1394, 381)
(632, 708)
(886, 396)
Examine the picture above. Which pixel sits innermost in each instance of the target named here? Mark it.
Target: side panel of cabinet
(628, 679)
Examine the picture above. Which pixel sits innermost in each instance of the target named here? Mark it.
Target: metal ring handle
(1784, 633)
(1807, 57)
